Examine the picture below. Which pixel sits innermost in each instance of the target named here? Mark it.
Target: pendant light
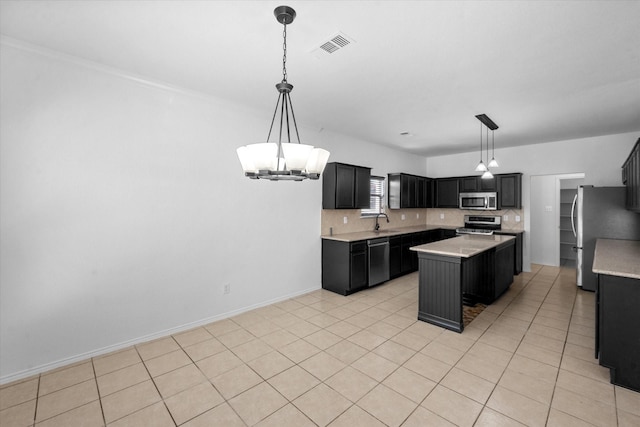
(489, 124)
(286, 160)
(493, 163)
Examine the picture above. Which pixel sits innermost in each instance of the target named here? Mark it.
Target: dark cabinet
(409, 191)
(395, 257)
(470, 184)
(510, 191)
(344, 266)
(631, 178)
(447, 191)
(517, 261)
(345, 186)
(488, 184)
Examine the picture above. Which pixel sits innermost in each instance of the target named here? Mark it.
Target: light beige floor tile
(157, 348)
(428, 367)
(288, 305)
(411, 340)
(191, 337)
(176, 381)
(285, 320)
(279, 339)
(299, 350)
(561, 419)
(306, 312)
(204, 349)
(66, 377)
(322, 365)
(468, 385)
(375, 366)
(500, 340)
(581, 340)
(341, 312)
(398, 321)
(582, 353)
(540, 354)
(409, 384)
(323, 339)
(533, 368)
(583, 407)
(346, 351)
(534, 388)
(594, 389)
(521, 408)
(384, 330)
(222, 327)
(490, 418)
(123, 378)
(219, 363)
(235, 338)
(89, 415)
(166, 363)
(366, 339)
(303, 328)
(18, 393)
(343, 329)
(252, 350)
(129, 400)
(351, 383)
(490, 353)
(19, 415)
(263, 328)
(293, 382)
(395, 352)
(361, 320)
(235, 381)
(562, 325)
(220, 416)
(422, 417)
(452, 406)
(323, 320)
(66, 399)
(257, 403)
(270, 364)
(152, 416)
(442, 352)
(628, 400)
(584, 368)
(544, 342)
(193, 402)
(425, 330)
(626, 419)
(356, 417)
(288, 415)
(455, 340)
(248, 318)
(322, 404)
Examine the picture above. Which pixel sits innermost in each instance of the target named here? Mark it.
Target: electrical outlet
(548, 208)
(345, 220)
(402, 217)
(441, 216)
(417, 216)
(227, 288)
(506, 217)
(517, 218)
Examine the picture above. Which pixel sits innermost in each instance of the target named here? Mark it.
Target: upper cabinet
(631, 178)
(470, 184)
(345, 186)
(447, 191)
(409, 191)
(509, 191)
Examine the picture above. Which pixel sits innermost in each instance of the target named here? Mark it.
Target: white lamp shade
(245, 160)
(296, 155)
(263, 155)
(493, 163)
(487, 175)
(481, 167)
(317, 160)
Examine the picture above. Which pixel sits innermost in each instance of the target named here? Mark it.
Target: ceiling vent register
(334, 44)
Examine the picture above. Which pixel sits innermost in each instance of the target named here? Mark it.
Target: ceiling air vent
(335, 43)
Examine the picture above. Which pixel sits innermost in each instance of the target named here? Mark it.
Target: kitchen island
(465, 269)
(617, 264)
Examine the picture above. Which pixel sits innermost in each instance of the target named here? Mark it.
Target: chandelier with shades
(489, 124)
(283, 160)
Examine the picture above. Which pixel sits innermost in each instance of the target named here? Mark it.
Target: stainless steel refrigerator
(599, 213)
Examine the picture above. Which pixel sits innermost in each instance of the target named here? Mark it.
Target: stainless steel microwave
(479, 201)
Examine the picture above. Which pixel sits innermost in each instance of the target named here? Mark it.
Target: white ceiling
(542, 70)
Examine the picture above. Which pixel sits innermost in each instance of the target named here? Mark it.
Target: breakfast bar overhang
(465, 269)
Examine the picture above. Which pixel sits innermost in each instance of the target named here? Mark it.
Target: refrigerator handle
(573, 218)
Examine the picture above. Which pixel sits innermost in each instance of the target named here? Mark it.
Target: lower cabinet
(617, 333)
(517, 260)
(344, 266)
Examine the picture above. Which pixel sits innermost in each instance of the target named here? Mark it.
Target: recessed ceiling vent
(336, 42)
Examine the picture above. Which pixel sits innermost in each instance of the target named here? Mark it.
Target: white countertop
(617, 258)
(464, 246)
(370, 234)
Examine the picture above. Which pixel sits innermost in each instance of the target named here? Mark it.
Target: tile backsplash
(333, 219)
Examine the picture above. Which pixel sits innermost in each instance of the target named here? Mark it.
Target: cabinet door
(362, 188)
(489, 184)
(509, 189)
(447, 193)
(421, 192)
(469, 184)
(429, 193)
(395, 256)
(407, 254)
(345, 190)
(407, 191)
(358, 266)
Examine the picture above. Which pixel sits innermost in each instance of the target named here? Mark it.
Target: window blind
(377, 203)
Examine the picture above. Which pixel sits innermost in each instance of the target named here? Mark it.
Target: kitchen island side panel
(440, 295)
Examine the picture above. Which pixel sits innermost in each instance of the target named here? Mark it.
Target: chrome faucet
(377, 227)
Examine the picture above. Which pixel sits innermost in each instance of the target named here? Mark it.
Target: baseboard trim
(160, 334)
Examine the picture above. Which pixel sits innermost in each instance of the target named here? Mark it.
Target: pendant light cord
(284, 53)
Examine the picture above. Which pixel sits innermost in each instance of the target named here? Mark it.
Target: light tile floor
(362, 360)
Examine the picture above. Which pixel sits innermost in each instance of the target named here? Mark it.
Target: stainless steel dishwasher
(378, 260)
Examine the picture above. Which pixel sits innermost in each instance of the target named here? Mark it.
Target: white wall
(599, 158)
(124, 211)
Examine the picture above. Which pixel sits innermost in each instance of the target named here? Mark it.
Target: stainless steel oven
(485, 201)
